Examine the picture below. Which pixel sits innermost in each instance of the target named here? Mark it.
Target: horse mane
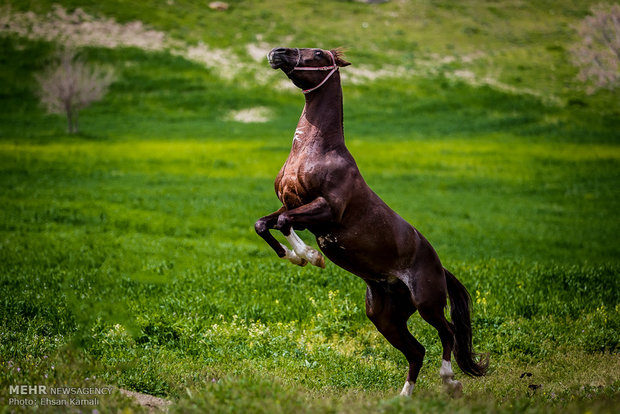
(339, 52)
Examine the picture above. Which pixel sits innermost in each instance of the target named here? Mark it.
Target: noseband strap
(332, 68)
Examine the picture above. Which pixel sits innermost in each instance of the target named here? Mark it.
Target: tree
(598, 53)
(69, 85)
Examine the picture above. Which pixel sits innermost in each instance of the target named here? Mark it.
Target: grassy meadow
(128, 256)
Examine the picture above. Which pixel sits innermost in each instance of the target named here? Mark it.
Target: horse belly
(368, 252)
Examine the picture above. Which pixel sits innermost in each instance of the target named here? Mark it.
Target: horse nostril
(277, 53)
(275, 57)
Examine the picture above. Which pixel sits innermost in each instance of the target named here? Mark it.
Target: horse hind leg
(452, 386)
(435, 317)
(389, 311)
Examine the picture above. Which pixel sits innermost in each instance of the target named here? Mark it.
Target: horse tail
(460, 305)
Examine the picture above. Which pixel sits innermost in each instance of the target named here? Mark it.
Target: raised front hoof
(292, 257)
(453, 388)
(316, 259)
(296, 260)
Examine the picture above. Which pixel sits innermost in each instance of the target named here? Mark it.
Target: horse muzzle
(277, 57)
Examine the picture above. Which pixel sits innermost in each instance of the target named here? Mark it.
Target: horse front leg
(262, 227)
(302, 250)
(314, 213)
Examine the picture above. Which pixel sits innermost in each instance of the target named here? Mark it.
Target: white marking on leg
(292, 257)
(446, 370)
(304, 251)
(453, 387)
(297, 243)
(407, 389)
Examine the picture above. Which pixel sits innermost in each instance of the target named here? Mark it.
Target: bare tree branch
(597, 55)
(70, 85)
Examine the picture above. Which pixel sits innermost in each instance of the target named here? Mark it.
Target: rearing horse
(322, 190)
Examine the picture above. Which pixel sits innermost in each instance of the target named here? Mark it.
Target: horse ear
(338, 56)
(341, 62)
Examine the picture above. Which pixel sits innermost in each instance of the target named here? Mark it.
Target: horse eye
(318, 53)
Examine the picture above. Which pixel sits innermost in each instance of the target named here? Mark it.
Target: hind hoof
(454, 388)
(407, 389)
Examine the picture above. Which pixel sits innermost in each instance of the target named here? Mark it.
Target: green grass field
(128, 256)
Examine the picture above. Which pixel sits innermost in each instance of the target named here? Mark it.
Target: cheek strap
(332, 68)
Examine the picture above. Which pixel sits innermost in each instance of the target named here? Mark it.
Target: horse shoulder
(340, 182)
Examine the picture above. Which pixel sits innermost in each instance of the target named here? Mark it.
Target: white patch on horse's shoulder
(298, 133)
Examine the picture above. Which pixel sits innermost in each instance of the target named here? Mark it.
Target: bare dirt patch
(250, 115)
(153, 403)
(78, 28)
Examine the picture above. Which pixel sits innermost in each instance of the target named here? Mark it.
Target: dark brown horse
(322, 190)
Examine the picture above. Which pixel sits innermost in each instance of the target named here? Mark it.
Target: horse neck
(322, 119)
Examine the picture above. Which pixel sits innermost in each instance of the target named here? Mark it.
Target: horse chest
(290, 196)
(294, 188)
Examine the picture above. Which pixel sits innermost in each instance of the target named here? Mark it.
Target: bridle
(332, 68)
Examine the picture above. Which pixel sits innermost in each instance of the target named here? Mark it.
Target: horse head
(306, 67)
